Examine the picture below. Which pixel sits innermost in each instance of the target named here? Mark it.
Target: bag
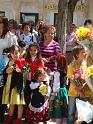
(85, 110)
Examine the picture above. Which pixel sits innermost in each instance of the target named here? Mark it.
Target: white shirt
(28, 39)
(70, 41)
(56, 83)
(12, 39)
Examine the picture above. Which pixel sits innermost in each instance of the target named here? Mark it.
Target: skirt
(59, 106)
(37, 114)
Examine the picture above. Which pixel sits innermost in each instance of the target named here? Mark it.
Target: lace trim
(38, 109)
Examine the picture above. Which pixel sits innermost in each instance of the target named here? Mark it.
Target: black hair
(14, 23)
(25, 24)
(88, 22)
(21, 44)
(28, 57)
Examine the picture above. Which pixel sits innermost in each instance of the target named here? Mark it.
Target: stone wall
(44, 8)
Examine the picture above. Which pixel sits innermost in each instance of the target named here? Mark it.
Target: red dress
(37, 63)
(37, 110)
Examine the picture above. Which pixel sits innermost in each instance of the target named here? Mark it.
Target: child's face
(41, 78)
(15, 55)
(81, 55)
(33, 51)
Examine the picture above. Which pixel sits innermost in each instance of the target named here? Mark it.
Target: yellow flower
(43, 89)
(82, 33)
(89, 71)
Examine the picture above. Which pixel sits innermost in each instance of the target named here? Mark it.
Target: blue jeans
(71, 110)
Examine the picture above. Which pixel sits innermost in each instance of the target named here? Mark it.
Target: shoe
(18, 121)
(8, 120)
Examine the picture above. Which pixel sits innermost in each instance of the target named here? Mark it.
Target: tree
(65, 18)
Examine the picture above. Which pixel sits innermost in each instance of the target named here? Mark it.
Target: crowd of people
(36, 76)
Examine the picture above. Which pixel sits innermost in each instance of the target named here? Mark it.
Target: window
(55, 19)
(2, 13)
(28, 17)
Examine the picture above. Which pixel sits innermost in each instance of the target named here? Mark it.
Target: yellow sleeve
(70, 71)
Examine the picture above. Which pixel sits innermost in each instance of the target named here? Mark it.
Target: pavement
(48, 122)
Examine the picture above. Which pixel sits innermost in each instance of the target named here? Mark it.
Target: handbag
(84, 110)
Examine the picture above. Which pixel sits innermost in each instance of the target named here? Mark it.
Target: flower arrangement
(89, 71)
(83, 33)
(89, 77)
(21, 65)
(78, 78)
(43, 89)
(85, 37)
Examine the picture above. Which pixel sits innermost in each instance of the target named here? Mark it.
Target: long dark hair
(28, 57)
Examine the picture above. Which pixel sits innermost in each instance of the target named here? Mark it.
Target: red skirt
(37, 114)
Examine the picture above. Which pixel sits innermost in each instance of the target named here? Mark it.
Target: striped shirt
(49, 52)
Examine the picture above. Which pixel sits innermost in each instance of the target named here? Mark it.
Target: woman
(11, 34)
(3, 63)
(49, 48)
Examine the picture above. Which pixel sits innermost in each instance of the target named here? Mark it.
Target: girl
(38, 108)
(59, 97)
(13, 89)
(74, 90)
(35, 61)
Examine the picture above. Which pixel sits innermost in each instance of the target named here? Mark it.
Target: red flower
(90, 34)
(20, 63)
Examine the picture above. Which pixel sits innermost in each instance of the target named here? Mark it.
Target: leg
(2, 106)
(9, 119)
(71, 110)
(58, 121)
(11, 110)
(20, 113)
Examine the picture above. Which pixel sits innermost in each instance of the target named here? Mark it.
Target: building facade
(24, 10)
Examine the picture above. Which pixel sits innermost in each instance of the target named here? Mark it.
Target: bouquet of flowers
(85, 36)
(78, 78)
(83, 33)
(89, 77)
(43, 89)
(21, 65)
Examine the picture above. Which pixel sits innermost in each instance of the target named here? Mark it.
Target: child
(13, 89)
(3, 63)
(59, 97)
(21, 49)
(35, 61)
(74, 90)
(38, 108)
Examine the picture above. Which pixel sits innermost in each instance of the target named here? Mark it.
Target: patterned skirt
(37, 114)
(59, 106)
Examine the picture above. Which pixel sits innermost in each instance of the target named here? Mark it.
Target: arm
(41, 63)
(34, 85)
(56, 83)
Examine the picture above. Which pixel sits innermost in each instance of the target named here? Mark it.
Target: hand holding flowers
(78, 77)
(78, 80)
(21, 65)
